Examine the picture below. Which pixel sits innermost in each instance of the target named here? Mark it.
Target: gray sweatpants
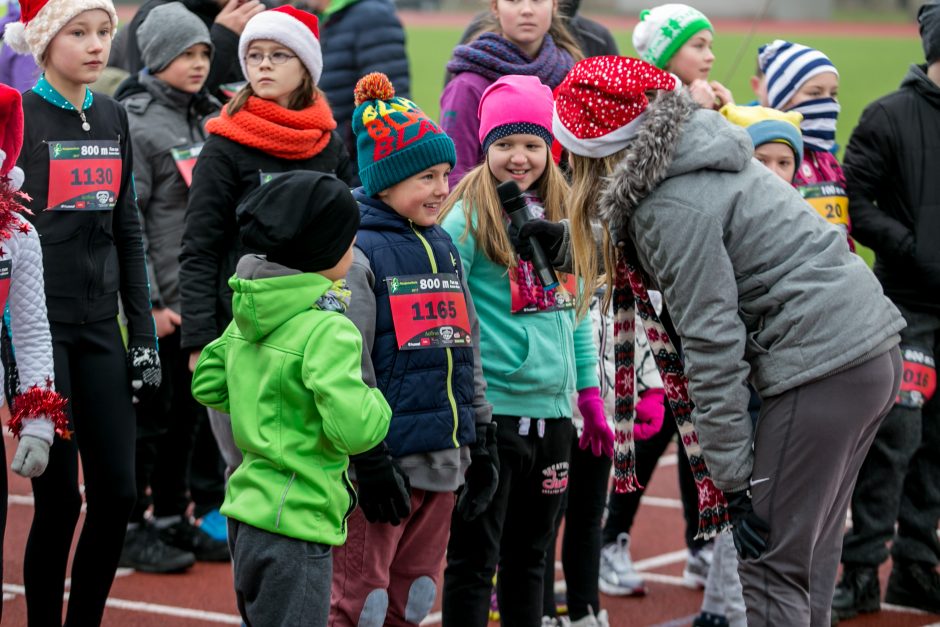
(279, 580)
(809, 445)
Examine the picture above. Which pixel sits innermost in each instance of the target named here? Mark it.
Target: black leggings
(91, 371)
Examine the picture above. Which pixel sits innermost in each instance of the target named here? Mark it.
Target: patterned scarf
(819, 123)
(335, 299)
(492, 56)
(631, 299)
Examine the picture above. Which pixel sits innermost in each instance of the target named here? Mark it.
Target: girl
(749, 277)
(534, 357)
(77, 159)
(276, 123)
(524, 37)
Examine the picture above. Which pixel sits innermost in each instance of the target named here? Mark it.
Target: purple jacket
(459, 104)
(19, 71)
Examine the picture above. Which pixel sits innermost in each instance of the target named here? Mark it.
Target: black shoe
(858, 592)
(146, 552)
(188, 537)
(707, 619)
(914, 584)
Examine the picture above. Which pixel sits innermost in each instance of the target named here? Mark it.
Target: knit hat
(787, 66)
(167, 32)
(515, 104)
(662, 30)
(302, 219)
(394, 138)
(766, 125)
(41, 20)
(290, 27)
(600, 105)
(929, 19)
(11, 121)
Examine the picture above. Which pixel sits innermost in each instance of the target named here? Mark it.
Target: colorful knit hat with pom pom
(395, 139)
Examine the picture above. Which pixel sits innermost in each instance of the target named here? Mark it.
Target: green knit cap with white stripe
(662, 30)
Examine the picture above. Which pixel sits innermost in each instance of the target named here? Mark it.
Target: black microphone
(513, 202)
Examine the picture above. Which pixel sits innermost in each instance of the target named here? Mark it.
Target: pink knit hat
(515, 105)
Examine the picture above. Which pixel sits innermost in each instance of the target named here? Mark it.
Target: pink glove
(597, 433)
(649, 414)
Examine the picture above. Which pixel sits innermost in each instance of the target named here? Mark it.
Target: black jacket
(892, 168)
(226, 172)
(89, 255)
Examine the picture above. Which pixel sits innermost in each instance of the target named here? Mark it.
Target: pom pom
(374, 86)
(14, 35)
(37, 402)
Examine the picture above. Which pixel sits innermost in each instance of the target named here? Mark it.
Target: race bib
(185, 158)
(6, 269)
(84, 175)
(830, 201)
(429, 311)
(919, 378)
(528, 297)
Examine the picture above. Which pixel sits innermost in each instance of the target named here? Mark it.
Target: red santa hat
(290, 27)
(41, 20)
(600, 105)
(11, 121)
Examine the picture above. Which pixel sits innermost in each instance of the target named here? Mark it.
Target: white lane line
(432, 619)
(659, 501)
(661, 560)
(668, 460)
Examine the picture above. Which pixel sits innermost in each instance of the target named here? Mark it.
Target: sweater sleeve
(482, 409)
(360, 280)
(459, 120)
(585, 354)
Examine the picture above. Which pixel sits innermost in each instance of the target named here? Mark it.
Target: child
(289, 501)
(277, 123)
(427, 367)
(77, 159)
(166, 125)
(535, 355)
(527, 37)
(678, 38)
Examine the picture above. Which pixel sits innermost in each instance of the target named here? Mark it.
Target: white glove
(31, 458)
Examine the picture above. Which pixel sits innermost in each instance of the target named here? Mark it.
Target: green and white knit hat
(662, 30)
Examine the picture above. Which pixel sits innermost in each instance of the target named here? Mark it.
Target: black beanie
(929, 19)
(301, 219)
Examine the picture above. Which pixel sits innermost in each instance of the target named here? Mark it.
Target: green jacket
(290, 376)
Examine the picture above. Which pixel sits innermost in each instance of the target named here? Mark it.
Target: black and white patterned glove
(143, 367)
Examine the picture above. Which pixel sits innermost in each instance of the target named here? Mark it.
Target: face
(824, 85)
(525, 22)
(419, 197)
(273, 81)
(694, 59)
(341, 269)
(79, 52)
(188, 71)
(778, 158)
(519, 158)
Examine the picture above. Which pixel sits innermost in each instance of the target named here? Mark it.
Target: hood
(676, 138)
(268, 294)
(918, 80)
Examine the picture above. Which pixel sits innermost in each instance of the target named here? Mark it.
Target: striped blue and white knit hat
(788, 65)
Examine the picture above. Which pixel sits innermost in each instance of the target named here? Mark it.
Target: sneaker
(708, 619)
(696, 568)
(914, 584)
(600, 620)
(617, 575)
(494, 603)
(561, 604)
(188, 537)
(857, 592)
(216, 525)
(145, 551)
(548, 621)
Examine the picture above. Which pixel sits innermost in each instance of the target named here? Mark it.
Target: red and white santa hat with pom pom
(41, 20)
(11, 140)
(600, 105)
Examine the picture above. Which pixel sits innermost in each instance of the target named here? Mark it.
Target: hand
(193, 360)
(702, 93)
(722, 93)
(748, 530)
(649, 414)
(549, 234)
(236, 13)
(597, 432)
(166, 321)
(143, 366)
(31, 458)
(482, 477)
(384, 489)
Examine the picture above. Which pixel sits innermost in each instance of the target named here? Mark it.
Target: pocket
(521, 370)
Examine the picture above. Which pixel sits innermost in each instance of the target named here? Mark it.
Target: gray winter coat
(759, 286)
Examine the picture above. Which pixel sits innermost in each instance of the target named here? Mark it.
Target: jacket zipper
(353, 498)
(280, 509)
(450, 356)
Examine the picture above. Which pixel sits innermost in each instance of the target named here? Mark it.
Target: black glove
(549, 234)
(482, 476)
(143, 367)
(384, 489)
(748, 530)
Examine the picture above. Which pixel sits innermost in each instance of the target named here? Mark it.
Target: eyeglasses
(277, 58)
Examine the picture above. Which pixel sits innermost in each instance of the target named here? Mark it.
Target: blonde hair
(477, 193)
(305, 95)
(557, 29)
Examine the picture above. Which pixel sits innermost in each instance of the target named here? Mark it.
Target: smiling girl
(77, 159)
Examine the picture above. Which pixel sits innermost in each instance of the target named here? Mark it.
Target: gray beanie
(929, 19)
(167, 32)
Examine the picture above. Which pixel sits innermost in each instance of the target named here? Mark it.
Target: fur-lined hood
(676, 138)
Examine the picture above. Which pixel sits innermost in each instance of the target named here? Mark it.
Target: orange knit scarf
(280, 132)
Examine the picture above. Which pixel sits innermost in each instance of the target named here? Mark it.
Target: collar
(164, 92)
(47, 92)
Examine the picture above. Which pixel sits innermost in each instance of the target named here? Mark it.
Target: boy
(288, 370)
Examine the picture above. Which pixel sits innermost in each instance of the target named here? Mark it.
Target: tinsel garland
(9, 205)
(39, 402)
